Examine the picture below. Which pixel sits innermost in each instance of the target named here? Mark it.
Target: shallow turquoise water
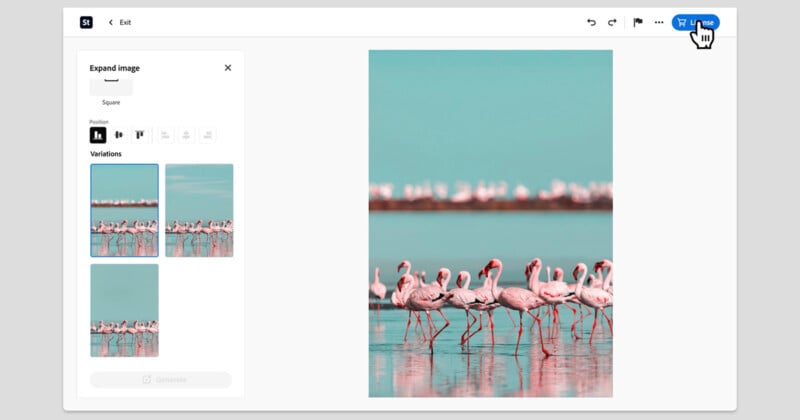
(199, 246)
(407, 369)
(466, 241)
(110, 345)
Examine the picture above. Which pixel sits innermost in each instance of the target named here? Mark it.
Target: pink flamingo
(532, 270)
(140, 329)
(487, 304)
(377, 289)
(117, 329)
(132, 230)
(228, 229)
(556, 293)
(140, 231)
(417, 283)
(400, 299)
(462, 298)
(152, 328)
(522, 300)
(608, 283)
(430, 298)
(205, 229)
(133, 330)
(152, 228)
(106, 330)
(598, 299)
(193, 230)
(484, 294)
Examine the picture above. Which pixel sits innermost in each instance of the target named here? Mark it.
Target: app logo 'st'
(87, 22)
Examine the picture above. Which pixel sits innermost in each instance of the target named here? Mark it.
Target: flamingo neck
(609, 277)
(579, 287)
(495, 291)
(533, 282)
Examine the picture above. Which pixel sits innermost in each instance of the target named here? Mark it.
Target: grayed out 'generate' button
(161, 379)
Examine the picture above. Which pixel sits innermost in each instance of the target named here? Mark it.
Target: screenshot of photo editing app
(399, 209)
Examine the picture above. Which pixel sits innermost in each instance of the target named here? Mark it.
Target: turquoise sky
(124, 291)
(518, 116)
(124, 182)
(199, 192)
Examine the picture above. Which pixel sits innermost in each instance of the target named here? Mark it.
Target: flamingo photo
(495, 167)
(200, 204)
(124, 310)
(122, 224)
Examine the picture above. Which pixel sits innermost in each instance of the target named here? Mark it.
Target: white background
(674, 147)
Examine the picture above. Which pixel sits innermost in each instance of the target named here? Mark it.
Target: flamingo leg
(491, 324)
(519, 333)
(469, 325)
(541, 339)
(480, 325)
(611, 329)
(594, 324)
(419, 324)
(408, 324)
(574, 319)
(508, 311)
(466, 331)
(446, 323)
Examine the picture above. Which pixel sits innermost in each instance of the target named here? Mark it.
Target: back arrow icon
(591, 22)
(111, 22)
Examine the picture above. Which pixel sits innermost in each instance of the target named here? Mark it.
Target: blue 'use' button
(689, 22)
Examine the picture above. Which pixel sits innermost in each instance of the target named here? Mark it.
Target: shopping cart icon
(681, 22)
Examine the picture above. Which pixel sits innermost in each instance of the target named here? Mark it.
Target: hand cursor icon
(702, 37)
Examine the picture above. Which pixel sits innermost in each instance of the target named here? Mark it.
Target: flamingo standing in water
(430, 298)
(417, 283)
(462, 298)
(400, 299)
(377, 289)
(488, 305)
(206, 229)
(556, 293)
(133, 331)
(152, 228)
(228, 229)
(598, 299)
(194, 231)
(106, 330)
(522, 300)
(152, 328)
